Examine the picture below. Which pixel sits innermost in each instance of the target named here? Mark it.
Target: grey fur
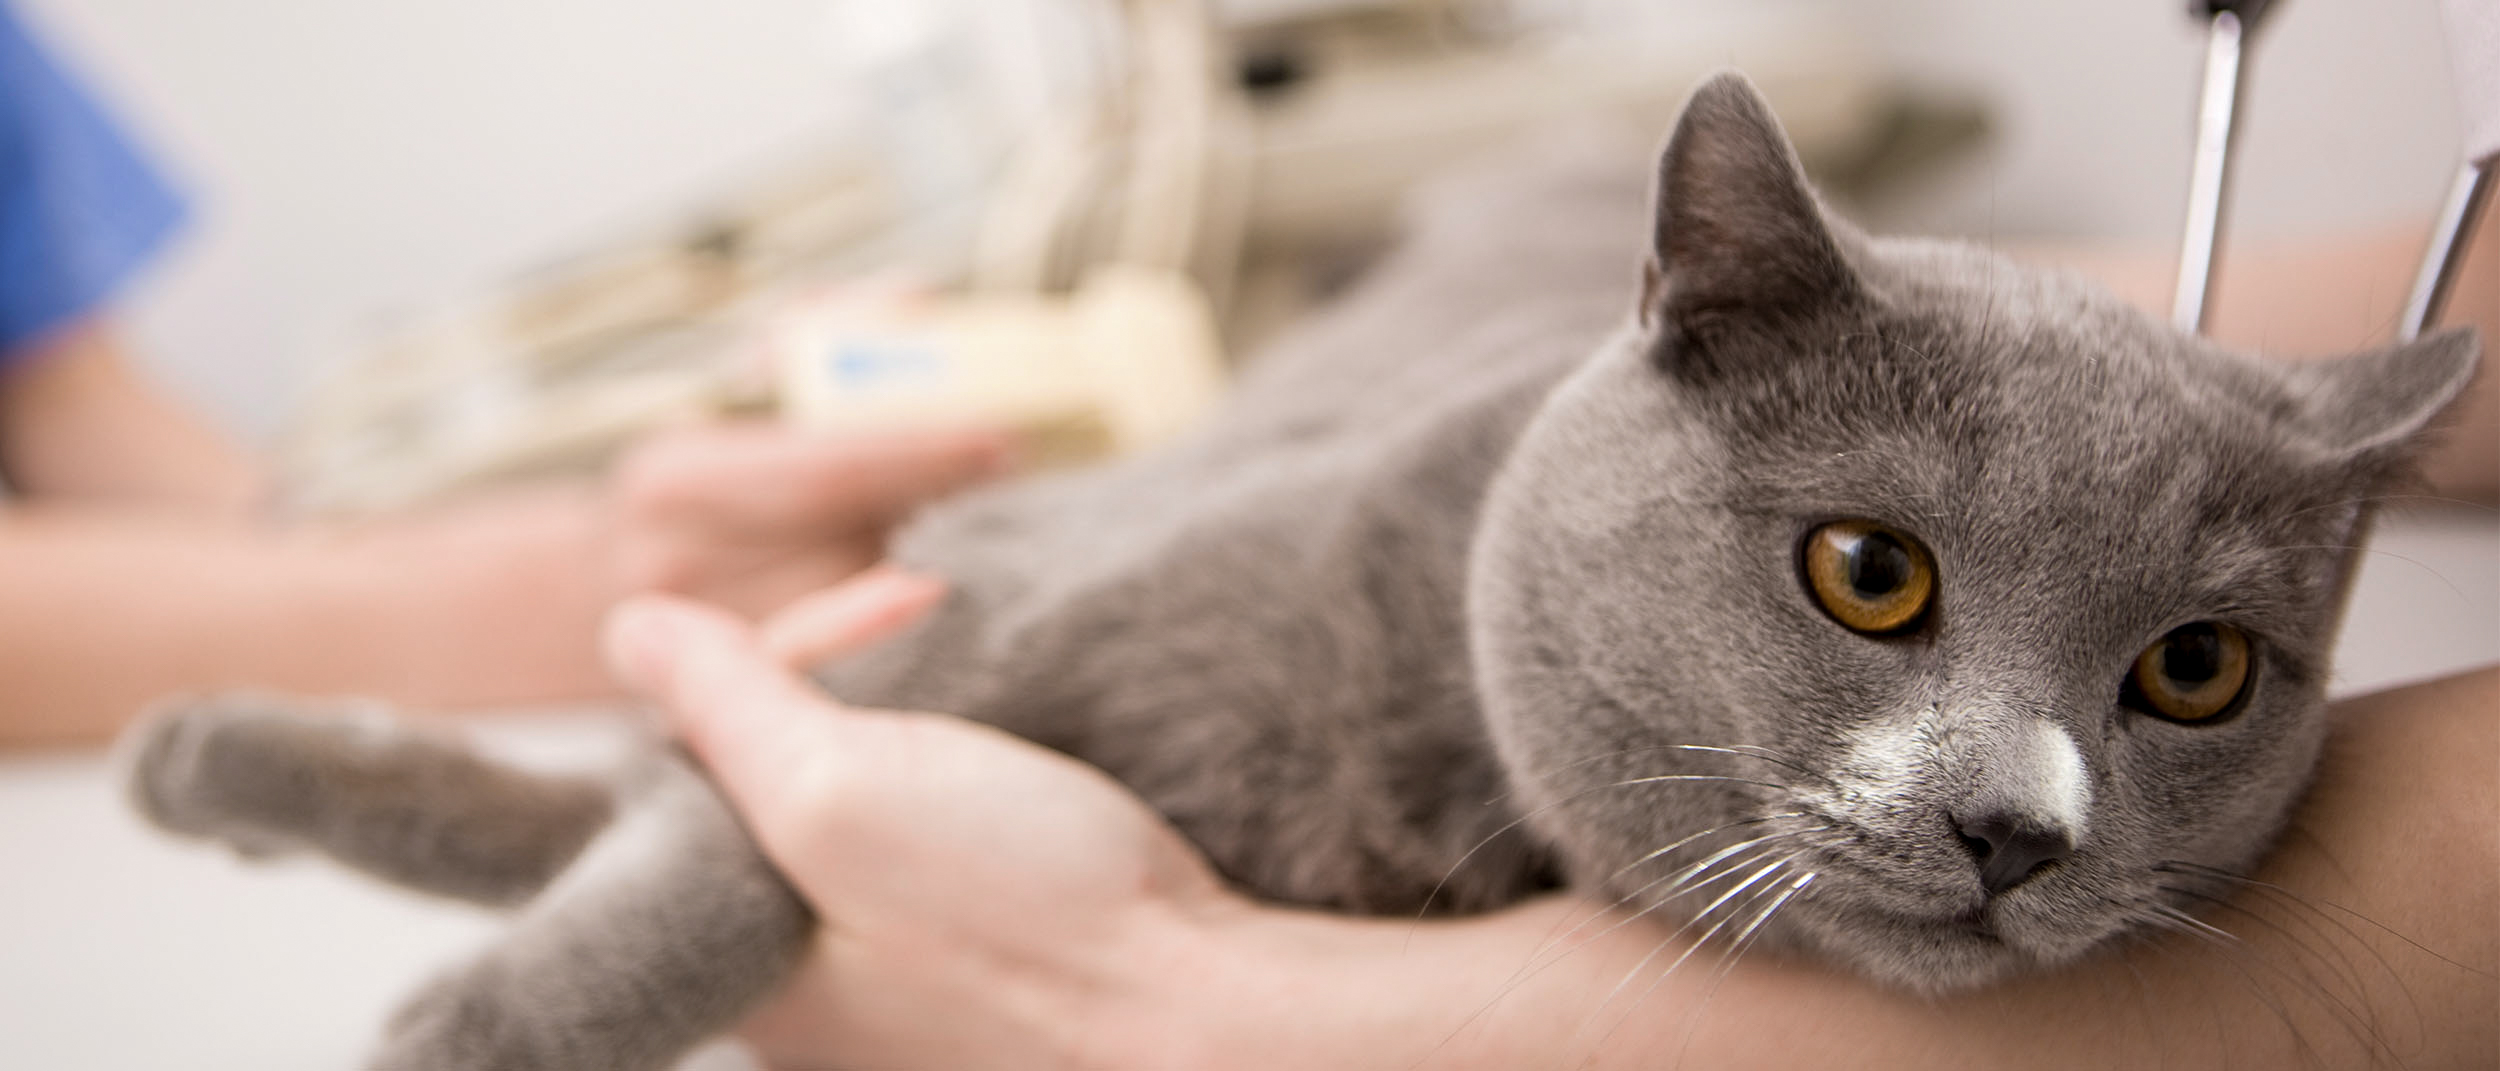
(1478, 549)
(645, 921)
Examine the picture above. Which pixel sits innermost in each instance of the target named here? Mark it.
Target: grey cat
(1875, 600)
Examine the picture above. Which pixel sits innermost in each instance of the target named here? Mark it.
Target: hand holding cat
(976, 889)
(747, 516)
(750, 516)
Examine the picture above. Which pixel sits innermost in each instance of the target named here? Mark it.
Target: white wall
(2349, 121)
(352, 159)
(349, 159)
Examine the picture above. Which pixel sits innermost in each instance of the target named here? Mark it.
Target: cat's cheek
(2213, 796)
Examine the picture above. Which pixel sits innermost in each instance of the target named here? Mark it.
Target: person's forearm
(2393, 960)
(1550, 983)
(106, 612)
(80, 424)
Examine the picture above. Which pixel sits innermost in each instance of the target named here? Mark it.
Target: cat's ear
(1737, 229)
(2371, 408)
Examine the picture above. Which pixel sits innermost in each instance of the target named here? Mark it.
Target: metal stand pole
(2228, 25)
(2468, 198)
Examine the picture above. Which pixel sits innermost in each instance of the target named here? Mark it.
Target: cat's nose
(2010, 847)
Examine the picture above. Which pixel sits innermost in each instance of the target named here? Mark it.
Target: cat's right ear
(1737, 229)
(2369, 411)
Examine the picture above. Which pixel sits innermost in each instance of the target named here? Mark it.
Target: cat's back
(1260, 627)
(1508, 274)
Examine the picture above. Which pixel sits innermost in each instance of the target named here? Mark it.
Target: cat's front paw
(229, 768)
(472, 1019)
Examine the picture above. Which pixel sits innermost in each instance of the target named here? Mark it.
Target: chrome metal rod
(2468, 199)
(2210, 176)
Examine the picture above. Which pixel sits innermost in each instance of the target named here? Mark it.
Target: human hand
(987, 903)
(749, 516)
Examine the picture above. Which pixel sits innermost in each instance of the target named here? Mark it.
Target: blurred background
(359, 166)
(436, 243)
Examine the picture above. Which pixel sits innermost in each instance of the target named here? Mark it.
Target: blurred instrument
(1094, 200)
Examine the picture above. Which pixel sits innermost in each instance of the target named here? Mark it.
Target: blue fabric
(80, 211)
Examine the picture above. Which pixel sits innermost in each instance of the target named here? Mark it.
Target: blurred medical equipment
(2474, 62)
(2228, 26)
(1052, 214)
(1005, 155)
(2473, 40)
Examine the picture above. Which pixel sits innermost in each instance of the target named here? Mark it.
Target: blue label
(869, 364)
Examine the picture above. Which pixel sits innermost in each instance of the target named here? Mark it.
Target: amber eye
(2196, 673)
(1870, 578)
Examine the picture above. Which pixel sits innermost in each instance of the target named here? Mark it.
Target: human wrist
(1279, 987)
(1164, 991)
(492, 602)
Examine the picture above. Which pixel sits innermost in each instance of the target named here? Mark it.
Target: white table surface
(122, 950)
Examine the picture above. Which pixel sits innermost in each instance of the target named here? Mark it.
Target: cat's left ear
(2370, 409)
(1738, 231)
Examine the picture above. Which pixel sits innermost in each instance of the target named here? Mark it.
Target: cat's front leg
(668, 930)
(266, 775)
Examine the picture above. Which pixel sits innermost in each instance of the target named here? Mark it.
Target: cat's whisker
(1743, 937)
(1701, 942)
(2312, 915)
(2129, 942)
(1680, 877)
(2313, 904)
(2201, 926)
(1742, 751)
(2347, 973)
(1767, 870)
(1425, 909)
(1748, 751)
(1700, 877)
(2348, 976)
(1794, 888)
(2165, 918)
(1538, 961)
(2347, 503)
(2353, 1022)
(1692, 880)
(2336, 547)
(1558, 934)
(2384, 553)
(1669, 895)
(1737, 947)
(1682, 841)
(2238, 953)
(1667, 778)
(1732, 892)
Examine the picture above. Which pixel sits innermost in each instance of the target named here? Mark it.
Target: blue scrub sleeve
(80, 210)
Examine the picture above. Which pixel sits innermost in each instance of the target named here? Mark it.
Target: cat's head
(2006, 603)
